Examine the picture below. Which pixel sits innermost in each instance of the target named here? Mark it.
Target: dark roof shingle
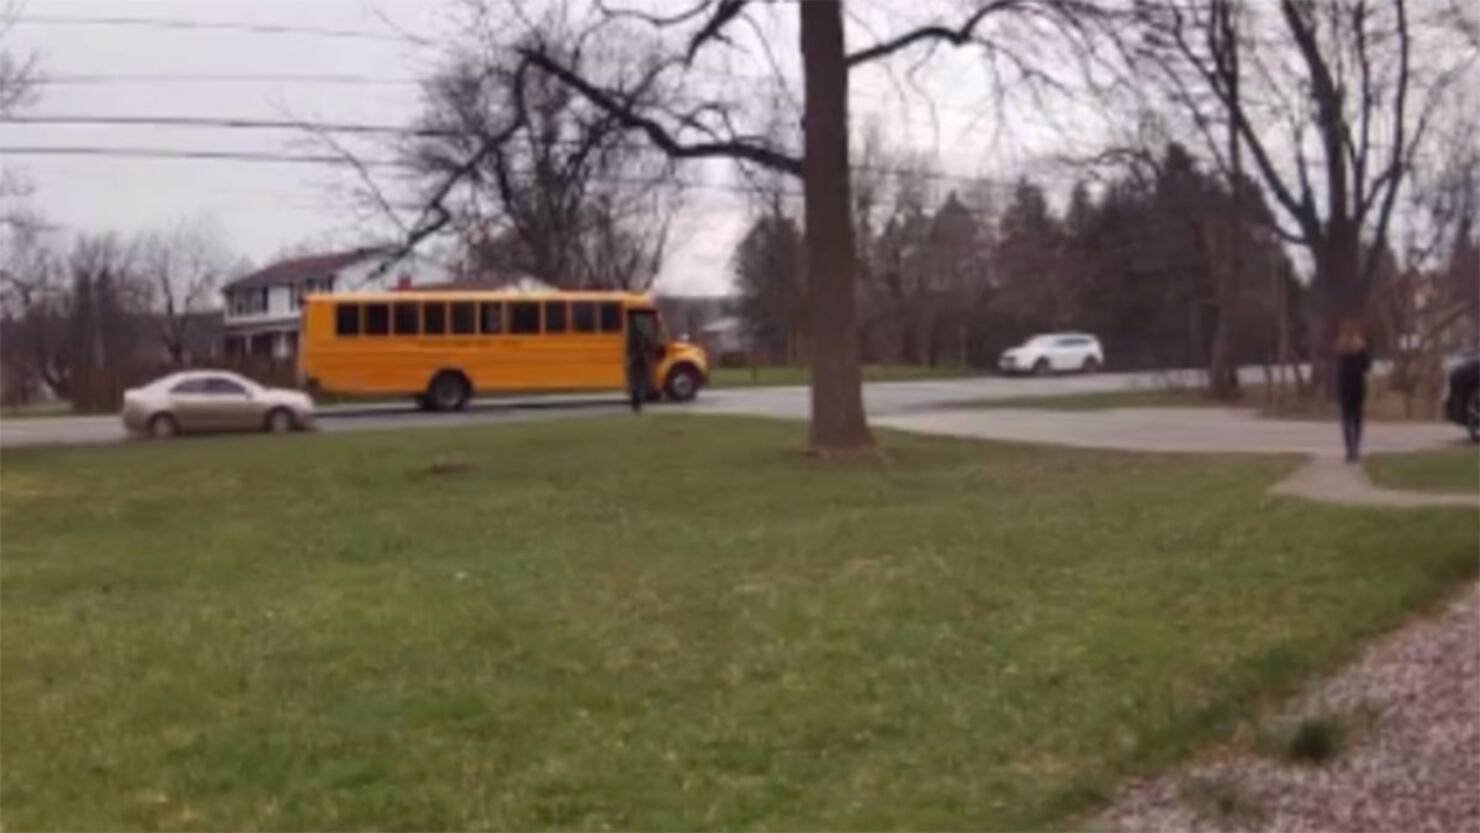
(298, 269)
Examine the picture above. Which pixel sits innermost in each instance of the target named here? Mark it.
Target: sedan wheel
(279, 421)
(163, 426)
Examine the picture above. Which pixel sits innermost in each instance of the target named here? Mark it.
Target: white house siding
(274, 332)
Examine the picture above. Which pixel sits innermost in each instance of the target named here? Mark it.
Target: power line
(229, 123)
(330, 159)
(224, 78)
(290, 158)
(222, 25)
(167, 153)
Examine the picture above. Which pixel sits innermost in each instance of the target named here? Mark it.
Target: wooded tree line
(956, 280)
(1301, 124)
(85, 316)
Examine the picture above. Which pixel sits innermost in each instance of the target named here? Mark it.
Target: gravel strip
(1412, 762)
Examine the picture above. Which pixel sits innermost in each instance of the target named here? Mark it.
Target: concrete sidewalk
(1325, 477)
(1192, 430)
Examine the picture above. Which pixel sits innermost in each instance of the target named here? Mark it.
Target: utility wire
(229, 123)
(328, 159)
(70, 79)
(223, 25)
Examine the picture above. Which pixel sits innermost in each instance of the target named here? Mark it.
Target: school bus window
(346, 319)
(462, 318)
(582, 316)
(405, 318)
(611, 317)
(554, 316)
(524, 317)
(377, 319)
(434, 318)
(492, 316)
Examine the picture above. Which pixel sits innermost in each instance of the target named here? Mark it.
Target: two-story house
(262, 309)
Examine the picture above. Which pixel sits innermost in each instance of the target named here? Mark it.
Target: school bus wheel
(448, 391)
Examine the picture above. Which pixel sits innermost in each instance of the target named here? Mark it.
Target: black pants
(637, 388)
(1351, 426)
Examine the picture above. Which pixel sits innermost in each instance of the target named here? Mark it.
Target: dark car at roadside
(1462, 391)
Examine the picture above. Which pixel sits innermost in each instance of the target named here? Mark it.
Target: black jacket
(1351, 375)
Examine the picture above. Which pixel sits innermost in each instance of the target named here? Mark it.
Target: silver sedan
(213, 400)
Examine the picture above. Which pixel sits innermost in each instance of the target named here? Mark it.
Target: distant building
(262, 309)
(725, 337)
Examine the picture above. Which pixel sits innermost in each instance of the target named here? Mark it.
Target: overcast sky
(122, 70)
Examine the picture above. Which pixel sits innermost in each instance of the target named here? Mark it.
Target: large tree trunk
(838, 426)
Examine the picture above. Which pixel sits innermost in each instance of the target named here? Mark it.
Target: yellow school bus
(441, 347)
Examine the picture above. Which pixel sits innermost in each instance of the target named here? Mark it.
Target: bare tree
(34, 305)
(1430, 302)
(669, 106)
(106, 339)
(183, 268)
(1328, 102)
(17, 89)
(563, 195)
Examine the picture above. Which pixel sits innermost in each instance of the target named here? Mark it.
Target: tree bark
(838, 427)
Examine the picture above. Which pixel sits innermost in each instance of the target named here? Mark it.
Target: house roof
(296, 269)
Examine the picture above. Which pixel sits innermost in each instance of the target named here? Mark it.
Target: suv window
(346, 319)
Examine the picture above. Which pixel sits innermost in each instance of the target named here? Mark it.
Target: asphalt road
(881, 399)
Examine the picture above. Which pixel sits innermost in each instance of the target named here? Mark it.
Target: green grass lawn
(656, 622)
(1450, 470)
(734, 377)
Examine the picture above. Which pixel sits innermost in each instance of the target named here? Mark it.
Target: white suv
(1051, 352)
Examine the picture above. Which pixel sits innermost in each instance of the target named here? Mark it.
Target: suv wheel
(1091, 365)
(1040, 367)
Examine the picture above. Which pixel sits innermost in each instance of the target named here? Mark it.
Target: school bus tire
(682, 383)
(448, 391)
